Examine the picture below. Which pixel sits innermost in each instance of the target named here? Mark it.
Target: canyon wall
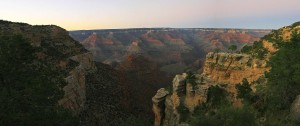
(86, 81)
(223, 69)
(226, 70)
(168, 47)
(75, 90)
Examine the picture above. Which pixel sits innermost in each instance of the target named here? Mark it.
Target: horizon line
(139, 28)
(131, 28)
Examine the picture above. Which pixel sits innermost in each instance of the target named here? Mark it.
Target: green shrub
(233, 116)
(232, 48)
(225, 116)
(183, 111)
(244, 90)
(191, 78)
(217, 50)
(136, 121)
(259, 50)
(296, 24)
(284, 77)
(216, 96)
(246, 49)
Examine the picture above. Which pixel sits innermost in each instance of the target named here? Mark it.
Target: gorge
(234, 80)
(155, 76)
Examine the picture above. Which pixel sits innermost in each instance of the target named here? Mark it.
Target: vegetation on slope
(219, 111)
(284, 78)
(30, 88)
(256, 50)
(271, 103)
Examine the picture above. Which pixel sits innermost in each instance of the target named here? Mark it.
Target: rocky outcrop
(75, 90)
(189, 91)
(179, 84)
(172, 117)
(231, 69)
(184, 96)
(159, 105)
(226, 70)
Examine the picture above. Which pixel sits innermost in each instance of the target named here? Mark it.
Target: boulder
(160, 96)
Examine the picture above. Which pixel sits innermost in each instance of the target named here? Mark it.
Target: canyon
(91, 88)
(118, 76)
(150, 57)
(169, 48)
(189, 91)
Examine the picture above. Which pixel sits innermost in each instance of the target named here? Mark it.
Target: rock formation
(229, 68)
(184, 94)
(91, 88)
(225, 70)
(61, 50)
(75, 95)
(158, 105)
(164, 46)
(220, 69)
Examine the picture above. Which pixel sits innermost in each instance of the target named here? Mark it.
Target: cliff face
(167, 47)
(75, 90)
(59, 50)
(104, 98)
(222, 69)
(187, 93)
(231, 69)
(171, 108)
(86, 80)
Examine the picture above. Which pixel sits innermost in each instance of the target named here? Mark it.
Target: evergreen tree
(232, 48)
(284, 77)
(258, 50)
(246, 49)
(244, 90)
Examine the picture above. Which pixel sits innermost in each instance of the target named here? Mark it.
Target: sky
(116, 14)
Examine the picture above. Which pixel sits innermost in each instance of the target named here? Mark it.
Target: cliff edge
(85, 79)
(221, 71)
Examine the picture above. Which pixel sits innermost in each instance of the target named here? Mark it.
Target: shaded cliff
(60, 50)
(104, 105)
(141, 80)
(86, 81)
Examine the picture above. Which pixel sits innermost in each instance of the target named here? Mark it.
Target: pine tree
(284, 77)
(244, 90)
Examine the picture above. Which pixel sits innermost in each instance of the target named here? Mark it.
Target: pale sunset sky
(113, 14)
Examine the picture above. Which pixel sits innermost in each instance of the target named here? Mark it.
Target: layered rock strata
(187, 93)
